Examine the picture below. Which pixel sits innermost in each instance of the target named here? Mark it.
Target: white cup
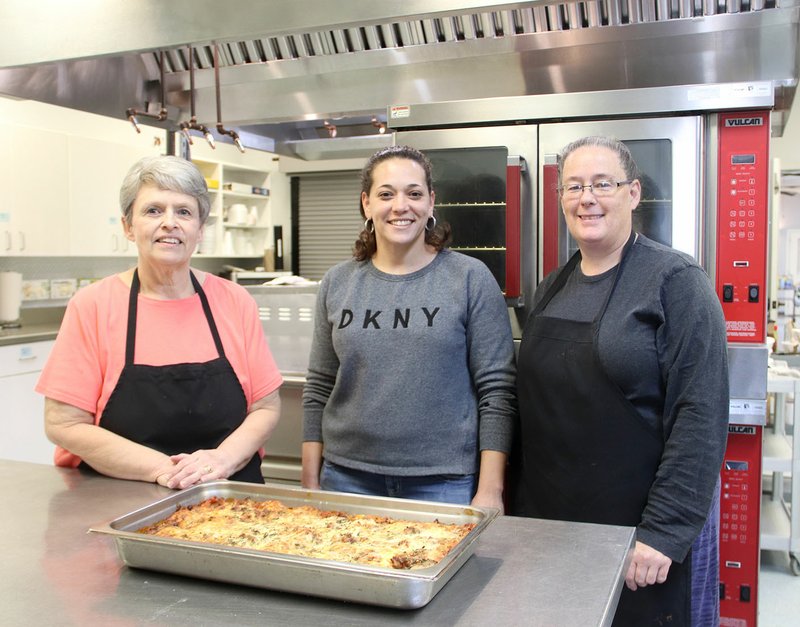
(240, 240)
(237, 214)
(227, 244)
(252, 217)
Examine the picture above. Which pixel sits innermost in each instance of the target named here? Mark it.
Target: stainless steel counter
(39, 332)
(523, 571)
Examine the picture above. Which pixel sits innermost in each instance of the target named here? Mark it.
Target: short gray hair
(625, 156)
(166, 172)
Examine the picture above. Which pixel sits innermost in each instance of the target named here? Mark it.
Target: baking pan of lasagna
(403, 588)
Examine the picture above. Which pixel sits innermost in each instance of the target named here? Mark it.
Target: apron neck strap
(207, 310)
(133, 302)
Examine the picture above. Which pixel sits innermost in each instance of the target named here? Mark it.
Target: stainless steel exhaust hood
(287, 66)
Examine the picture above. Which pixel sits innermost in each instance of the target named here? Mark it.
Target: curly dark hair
(366, 245)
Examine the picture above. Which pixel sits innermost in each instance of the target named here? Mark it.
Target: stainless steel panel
(405, 589)
(747, 374)
(282, 451)
(287, 315)
(708, 226)
(79, 63)
(117, 27)
(519, 140)
(747, 366)
(565, 106)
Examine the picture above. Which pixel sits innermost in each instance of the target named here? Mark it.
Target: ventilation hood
(288, 66)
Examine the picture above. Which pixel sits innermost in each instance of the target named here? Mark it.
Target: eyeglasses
(603, 187)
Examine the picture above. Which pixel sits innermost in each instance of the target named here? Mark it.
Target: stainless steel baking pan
(406, 589)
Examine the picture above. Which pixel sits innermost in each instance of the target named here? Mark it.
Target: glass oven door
(481, 177)
(668, 153)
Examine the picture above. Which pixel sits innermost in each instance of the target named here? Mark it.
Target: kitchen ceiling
(285, 67)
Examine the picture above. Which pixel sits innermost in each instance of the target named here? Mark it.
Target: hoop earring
(427, 224)
(369, 225)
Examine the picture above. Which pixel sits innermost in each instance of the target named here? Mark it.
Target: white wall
(786, 209)
(787, 147)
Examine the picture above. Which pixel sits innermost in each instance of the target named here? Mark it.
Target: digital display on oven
(743, 159)
(735, 465)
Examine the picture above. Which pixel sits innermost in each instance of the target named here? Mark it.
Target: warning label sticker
(399, 111)
(740, 328)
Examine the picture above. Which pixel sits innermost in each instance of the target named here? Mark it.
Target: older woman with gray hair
(162, 373)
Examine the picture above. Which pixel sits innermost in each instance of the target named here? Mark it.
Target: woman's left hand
(199, 467)
(488, 498)
(491, 479)
(648, 566)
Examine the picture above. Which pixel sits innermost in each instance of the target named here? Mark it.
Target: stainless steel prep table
(523, 571)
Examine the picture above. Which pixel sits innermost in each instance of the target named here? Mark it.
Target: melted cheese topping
(310, 532)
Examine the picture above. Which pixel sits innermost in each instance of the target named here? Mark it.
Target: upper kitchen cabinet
(34, 215)
(96, 169)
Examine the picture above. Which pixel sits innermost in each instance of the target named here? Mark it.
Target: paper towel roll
(10, 296)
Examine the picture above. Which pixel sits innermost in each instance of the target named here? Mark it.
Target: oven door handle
(515, 165)
(550, 210)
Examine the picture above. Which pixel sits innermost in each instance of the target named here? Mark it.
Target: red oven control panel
(742, 223)
(739, 533)
(742, 226)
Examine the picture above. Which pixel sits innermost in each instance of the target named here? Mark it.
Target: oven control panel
(743, 193)
(739, 516)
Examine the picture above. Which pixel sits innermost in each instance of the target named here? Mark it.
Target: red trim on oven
(549, 218)
(513, 229)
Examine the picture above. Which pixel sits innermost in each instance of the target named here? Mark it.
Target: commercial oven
(703, 152)
(484, 185)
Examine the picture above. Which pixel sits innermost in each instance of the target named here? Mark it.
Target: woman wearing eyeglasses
(623, 394)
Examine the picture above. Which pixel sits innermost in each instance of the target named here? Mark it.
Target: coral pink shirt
(89, 351)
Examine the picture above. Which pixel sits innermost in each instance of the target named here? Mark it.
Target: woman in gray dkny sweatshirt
(410, 389)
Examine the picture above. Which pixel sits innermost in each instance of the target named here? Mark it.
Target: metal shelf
(780, 516)
(777, 453)
(775, 527)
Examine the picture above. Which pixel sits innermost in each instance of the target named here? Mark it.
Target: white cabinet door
(33, 217)
(96, 170)
(22, 435)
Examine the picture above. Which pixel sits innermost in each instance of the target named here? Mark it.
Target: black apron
(178, 408)
(585, 454)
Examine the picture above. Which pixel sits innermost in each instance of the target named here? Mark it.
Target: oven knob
(727, 293)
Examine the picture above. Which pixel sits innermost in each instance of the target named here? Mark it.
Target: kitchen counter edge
(29, 333)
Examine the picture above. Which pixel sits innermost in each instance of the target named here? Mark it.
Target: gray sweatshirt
(411, 374)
